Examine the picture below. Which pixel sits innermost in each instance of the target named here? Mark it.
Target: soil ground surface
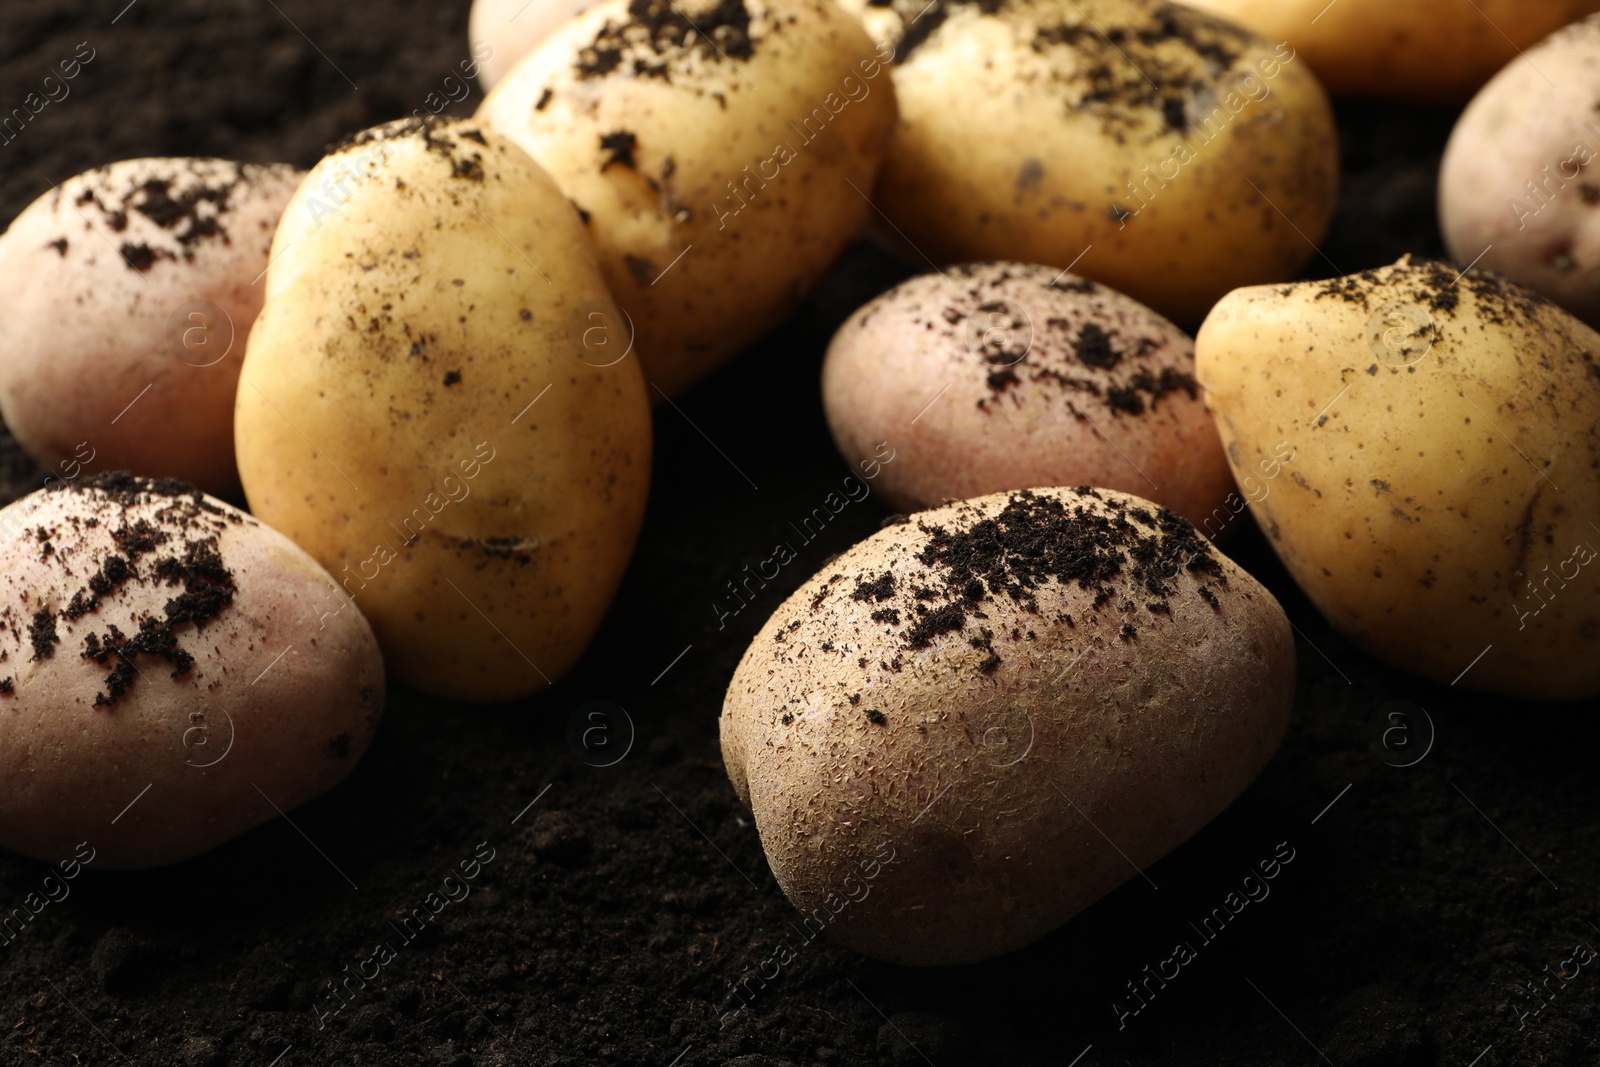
(620, 907)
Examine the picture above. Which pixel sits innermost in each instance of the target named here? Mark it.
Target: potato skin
(277, 696)
(1418, 51)
(112, 354)
(1513, 188)
(975, 759)
(1035, 377)
(1446, 471)
(503, 31)
(719, 183)
(417, 410)
(1026, 134)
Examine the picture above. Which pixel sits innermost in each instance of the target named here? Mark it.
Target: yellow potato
(1156, 149)
(1421, 51)
(420, 407)
(939, 732)
(1441, 506)
(722, 154)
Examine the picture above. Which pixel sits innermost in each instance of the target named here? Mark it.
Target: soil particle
(660, 40)
(439, 134)
(205, 586)
(619, 147)
(42, 632)
(1119, 74)
(1434, 287)
(1093, 347)
(1033, 541)
(192, 204)
(141, 257)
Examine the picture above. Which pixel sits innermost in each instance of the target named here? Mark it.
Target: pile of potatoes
(427, 367)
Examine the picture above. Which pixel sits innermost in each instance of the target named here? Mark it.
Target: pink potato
(941, 732)
(996, 376)
(1518, 193)
(172, 673)
(130, 292)
(503, 31)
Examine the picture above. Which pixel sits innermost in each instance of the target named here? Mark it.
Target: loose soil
(617, 910)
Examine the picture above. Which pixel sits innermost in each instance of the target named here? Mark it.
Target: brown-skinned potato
(935, 731)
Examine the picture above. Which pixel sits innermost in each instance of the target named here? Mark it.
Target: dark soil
(607, 922)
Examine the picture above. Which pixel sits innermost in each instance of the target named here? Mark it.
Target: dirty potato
(938, 733)
(418, 409)
(1441, 505)
(1157, 149)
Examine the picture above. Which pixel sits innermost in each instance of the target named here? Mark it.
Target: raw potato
(1026, 133)
(996, 376)
(937, 729)
(129, 295)
(1418, 51)
(1446, 469)
(722, 153)
(512, 28)
(168, 673)
(433, 287)
(1513, 188)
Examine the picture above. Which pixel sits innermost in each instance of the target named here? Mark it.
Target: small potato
(997, 376)
(1441, 504)
(940, 731)
(721, 153)
(1418, 51)
(169, 678)
(419, 409)
(1156, 149)
(130, 291)
(1514, 192)
(512, 28)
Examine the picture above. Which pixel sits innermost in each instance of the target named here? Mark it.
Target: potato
(130, 291)
(171, 677)
(511, 28)
(939, 732)
(721, 153)
(1512, 187)
(1446, 469)
(995, 376)
(421, 408)
(1155, 149)
(1418, 51)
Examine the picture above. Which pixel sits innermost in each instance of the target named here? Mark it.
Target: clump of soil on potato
(192, 566)
(1032, 541)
